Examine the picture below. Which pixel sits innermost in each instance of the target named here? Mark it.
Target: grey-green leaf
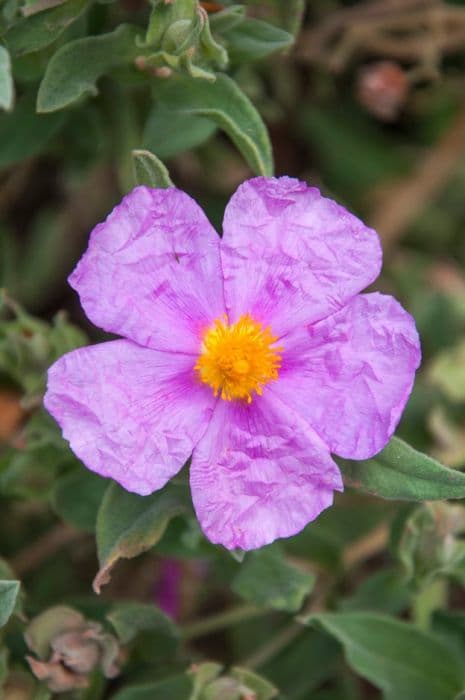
(225, 104)
(39, 30)
(6, 80)
(254, 39)
(403, 661)
(8, 594)
(267, 579)
(130, 619)
(23, 133)
(149, 170)
(75, 68)
(128, 524)
(401, 472)
(168, 132)
(76, 497)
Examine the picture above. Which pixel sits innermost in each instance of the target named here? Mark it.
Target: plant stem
(221, 621)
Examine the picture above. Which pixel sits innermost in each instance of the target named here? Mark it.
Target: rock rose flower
(254, 353)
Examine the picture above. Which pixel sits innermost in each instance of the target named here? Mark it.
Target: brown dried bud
(69, 648)
(57, 678)
(382, 88)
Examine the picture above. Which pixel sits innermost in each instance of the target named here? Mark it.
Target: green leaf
(76, 498)
(75, 68)
(128, 525)
(261, 688)
(149, 170)
(403, 661)
(267, 579)
(168, 132)
(6, 80)
(384, 591)
(39, 30)
(303, 665)
(177, 688)
(132, 619)
(401, 472)
(225, 104)
(23, 133)
(226, 19)
(8, 594)
(254, 39)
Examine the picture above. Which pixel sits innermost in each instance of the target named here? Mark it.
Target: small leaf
(226, 19)
(401, 472)
(225, 104)
(23, 133)
(403, 661)
(131, 619)
(149, 170)
(76, 498)
(260, 688)
(75, 68)
(168, 132)
(8, 594)
(128, 525)
(39, 30)
(267, 579)
(254, 39)
(384, 591)
(6, 80)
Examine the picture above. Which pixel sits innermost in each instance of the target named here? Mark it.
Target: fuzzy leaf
(149, 170)
(130, 619)
(8, 594)
(253, 39)
(225, 104)
(76, 497)
(128, 525)
(39, 30)
(6, 81)
(75, 68)
(403, 661)
(168, 132)
(401, 472)
(23, 133)
(267, 579)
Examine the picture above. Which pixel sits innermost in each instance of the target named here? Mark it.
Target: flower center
(238, 359)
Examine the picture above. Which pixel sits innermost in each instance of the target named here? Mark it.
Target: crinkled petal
(259, 473)
(152, 271)
(351, 374)
(291, 256)
(129, 413)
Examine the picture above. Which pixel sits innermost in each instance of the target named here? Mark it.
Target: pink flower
(254, 353)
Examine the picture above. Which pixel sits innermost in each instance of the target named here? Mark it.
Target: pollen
(237, 360)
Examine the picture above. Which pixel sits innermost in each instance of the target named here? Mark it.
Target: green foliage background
(99, 95)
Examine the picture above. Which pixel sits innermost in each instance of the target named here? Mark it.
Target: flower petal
(259, 473)
(350, 375)
(291, 256)
(152, 271)
(129, 413)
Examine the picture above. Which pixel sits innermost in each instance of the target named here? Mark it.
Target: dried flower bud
(56, 676)
(382, 88)
(69, 649)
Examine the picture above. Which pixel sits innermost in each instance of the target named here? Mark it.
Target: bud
(382, 88)
(69, 648)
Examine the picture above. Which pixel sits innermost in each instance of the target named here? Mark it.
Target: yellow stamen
(237, 360)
